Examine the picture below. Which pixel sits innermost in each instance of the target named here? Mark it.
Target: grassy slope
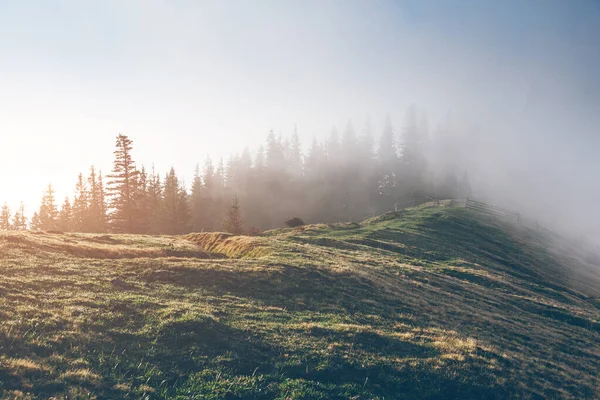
(429, 303)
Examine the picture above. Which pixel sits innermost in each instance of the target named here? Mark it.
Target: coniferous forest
(348, 176)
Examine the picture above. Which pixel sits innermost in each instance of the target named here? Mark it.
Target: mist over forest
(346, 175)
(508, 112)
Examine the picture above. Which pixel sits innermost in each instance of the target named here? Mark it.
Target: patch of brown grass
(80, 375)
(230, 245)
(23, 364)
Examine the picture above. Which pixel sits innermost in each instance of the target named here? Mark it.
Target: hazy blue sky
(187, 78)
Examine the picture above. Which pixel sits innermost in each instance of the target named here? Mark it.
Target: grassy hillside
(432, 302)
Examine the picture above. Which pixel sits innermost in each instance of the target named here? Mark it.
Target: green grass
(431, 302)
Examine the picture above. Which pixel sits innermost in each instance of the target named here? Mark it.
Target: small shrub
(294, 222)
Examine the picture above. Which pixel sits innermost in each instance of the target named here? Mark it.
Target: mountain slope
(431, 302)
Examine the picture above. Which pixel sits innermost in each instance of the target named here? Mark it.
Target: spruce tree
(184, 216)
(36, 223)
(48, 213)
(154, 202)
(232, 172)
(80, 215)
(196, 202)
(122, 187)
(275, 157)
(170, 202)
(96, 210)
(208, 175)
(273, 190)
(220, 176)
(244, 172)
(242, 181)
(5, 218)
(233, 222)
(19, 219)
(101, 199)
(141, 202)
(255, 189)
(209, 196)
(65, 217)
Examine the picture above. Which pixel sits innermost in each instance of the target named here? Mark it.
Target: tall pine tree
(170, 203)
(122, 187)
(65, 217)
(233, 222)
(96, 215)
(48, 213)
(142, 202)
(80, 215)
(184, 214)
(36, 224)
(196, 202)
(5, 218)
(154, 202)
(19, 220)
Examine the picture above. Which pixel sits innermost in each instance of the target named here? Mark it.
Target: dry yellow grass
(23, 364)
(230, 245)
(81, 375)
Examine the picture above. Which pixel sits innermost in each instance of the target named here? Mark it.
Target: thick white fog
(516, 81)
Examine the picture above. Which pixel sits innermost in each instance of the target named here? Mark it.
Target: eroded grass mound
(229, 245)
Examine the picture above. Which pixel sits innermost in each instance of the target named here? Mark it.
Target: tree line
(346, 177)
